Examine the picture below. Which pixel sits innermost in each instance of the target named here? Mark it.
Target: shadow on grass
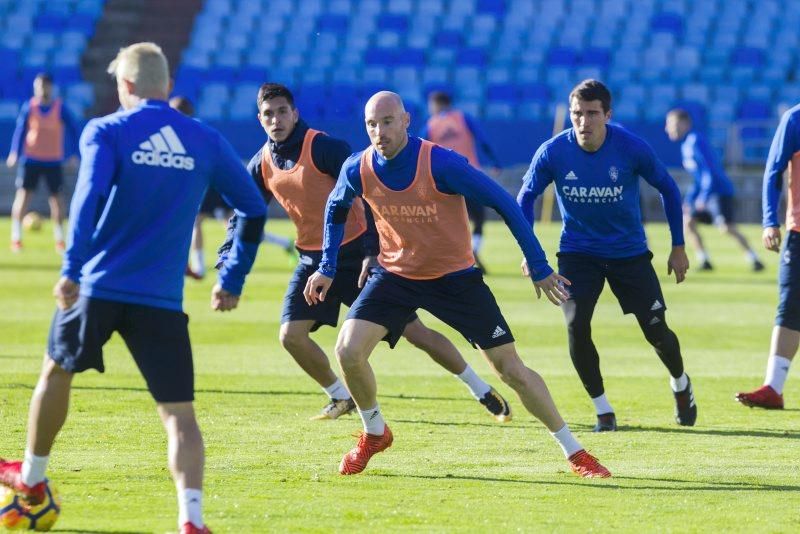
(461, 423)
(753, 433)
(215, 391)
(676, 484)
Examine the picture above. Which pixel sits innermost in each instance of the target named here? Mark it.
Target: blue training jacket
(143, 175)
(598, 192)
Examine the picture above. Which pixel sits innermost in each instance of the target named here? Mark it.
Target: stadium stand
(731, 63)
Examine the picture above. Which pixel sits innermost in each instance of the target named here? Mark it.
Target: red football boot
(11, 476)
(763, 397)
(190, 528)
(585, 465)
(356, 460)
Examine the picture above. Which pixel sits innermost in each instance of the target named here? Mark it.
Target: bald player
(416, 191)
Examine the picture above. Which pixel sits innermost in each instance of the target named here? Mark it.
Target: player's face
(278, 118)
(387, 127)
(589, 122)
(675, 127)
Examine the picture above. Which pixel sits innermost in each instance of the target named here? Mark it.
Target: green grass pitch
(452, 468)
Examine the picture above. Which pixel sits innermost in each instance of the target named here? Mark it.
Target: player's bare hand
(66, 293)
(554, 288)
(524, 266)
(366, 268)
(11, 160)
(222, 300)
(678, 262)
(317, 287)
(772, 238)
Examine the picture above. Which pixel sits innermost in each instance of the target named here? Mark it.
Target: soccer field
(451, 468)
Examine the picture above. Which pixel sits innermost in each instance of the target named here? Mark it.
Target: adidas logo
(163, 149)
(656, 306)
(377, 192)
(654, 320)
(498, 332)
(571, 176)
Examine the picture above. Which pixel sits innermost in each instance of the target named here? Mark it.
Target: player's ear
(407, 119)
(170, 85)
(296, 114)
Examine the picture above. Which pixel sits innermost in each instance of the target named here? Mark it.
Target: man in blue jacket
(711, 196)
(143, 174)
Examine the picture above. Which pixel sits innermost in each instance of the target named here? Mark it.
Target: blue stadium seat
(562, 56)
(388, 22)
(667, 23)
(471, 56)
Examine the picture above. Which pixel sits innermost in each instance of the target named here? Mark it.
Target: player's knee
(349, 355)
(655, 329)
(292, 339)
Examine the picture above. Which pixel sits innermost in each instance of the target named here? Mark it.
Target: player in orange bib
(454, 129)
(45, 127)
(416, 190)
(297, 167)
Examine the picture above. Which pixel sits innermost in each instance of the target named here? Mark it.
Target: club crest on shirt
(613, 173)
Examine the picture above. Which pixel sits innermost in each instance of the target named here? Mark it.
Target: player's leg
(197, 262)
(26, 182)
(295, 338)
(55, 183)
(690, 223)
(75, 344)
(298, 320)
(786, 332)
(728, 226)
(443, 352)
(357, 339)
(587, 277)
(636, 286)
(158, 340)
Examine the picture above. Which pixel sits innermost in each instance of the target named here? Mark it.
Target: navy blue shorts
(462, 301)
(157, 338)
(633, 280)
(212, 202)
(788, 314)
(719, 210)
(344, 289)
(28, 176)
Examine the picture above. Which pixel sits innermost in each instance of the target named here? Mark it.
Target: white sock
(680, 383)
(190, 507)
(777, 371)
(198, 262)
(702, 257)
(58, 232)
(33, 468)
(476, 385)
(567, 441)
(16, 230)
(373, 421)
(477, 242)
(601, 405)
(752, 256)
(337, 391)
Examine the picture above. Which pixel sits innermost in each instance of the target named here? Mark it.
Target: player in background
(298, 166)
(454, 129)
(45, 133)
(784, 152)
(711, 196)
(416, 190)
(596, 167)
(215, 207)
(144, 171)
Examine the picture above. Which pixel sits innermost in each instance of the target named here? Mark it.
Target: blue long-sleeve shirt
(143, 175)
(452, 175)
(71, 134)
(703, 164)
(785, 144)
(477, 134)
(328, 155)
(598, 192)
